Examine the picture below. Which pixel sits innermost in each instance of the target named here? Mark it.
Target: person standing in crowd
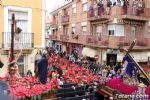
(1, 64)
(37, 58)
(118, 67)
(43, 69)
(29, 73)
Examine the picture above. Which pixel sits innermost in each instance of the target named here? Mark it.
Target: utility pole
(12, 37)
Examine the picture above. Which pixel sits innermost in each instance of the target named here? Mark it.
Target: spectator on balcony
(125, 4)
(105, 6)
(108, 8)
(113, 2)
(100, 7)
(91, 10)
(141, 6)
(118, 3)
(134, 7)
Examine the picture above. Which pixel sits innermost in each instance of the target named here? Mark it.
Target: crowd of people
(120, 70)
(49, 66)
(104, 7)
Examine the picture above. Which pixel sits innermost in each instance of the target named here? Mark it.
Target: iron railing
(64, 38)
(65, 19)
(26, 40)
(52, 37)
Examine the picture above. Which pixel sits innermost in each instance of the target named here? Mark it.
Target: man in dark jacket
(43, 69)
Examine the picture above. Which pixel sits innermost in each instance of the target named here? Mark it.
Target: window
(149, 31)
(22, 20)
(84, 5)
(133, 31)
(73, 8)
(0, 2)
(84, 26)
(116, 30)
(98, 30)
(73, 29)
(111, 32)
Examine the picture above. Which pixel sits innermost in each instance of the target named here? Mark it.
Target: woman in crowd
(37, 58)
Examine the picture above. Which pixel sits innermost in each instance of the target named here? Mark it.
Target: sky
(51, 4)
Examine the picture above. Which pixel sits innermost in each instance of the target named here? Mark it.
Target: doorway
(111, 59)
(98, 32)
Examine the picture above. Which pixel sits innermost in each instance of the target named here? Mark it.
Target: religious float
(30, 88)
(128, 87)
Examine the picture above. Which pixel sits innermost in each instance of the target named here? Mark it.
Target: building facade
(100, 30)
(30, 17)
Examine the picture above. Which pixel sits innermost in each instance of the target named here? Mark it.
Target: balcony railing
(64, 38)
(90, 39)
(117, 41)
(54, 22)
(142, 41)
(65, 19)
(135, 13)
(26, 40)
(98, 40)
(98, 14)
(53, 37)
(117, 11)
(102, 40)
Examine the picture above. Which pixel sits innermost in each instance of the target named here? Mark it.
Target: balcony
(64, 38)
(54, 22)
(96, 14)
(102, 41)
(135, 14)
(141, 43)
(53, 37)
(65, 20)
(26, 40)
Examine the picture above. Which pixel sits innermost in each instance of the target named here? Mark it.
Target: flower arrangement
(30, 87)
(117, 84)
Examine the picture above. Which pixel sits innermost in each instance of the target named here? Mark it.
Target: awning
(89, 52)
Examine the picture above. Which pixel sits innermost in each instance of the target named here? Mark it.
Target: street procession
(74, 50)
